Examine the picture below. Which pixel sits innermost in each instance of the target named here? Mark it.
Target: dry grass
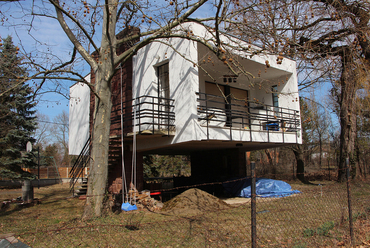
(57, 209)
(318, 217)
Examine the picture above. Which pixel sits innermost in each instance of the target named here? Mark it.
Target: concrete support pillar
(27, 191)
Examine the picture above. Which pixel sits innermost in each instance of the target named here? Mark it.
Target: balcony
(147, 115)
(233, 114)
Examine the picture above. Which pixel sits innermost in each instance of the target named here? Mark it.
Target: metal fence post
(253, 205)
(349, 203)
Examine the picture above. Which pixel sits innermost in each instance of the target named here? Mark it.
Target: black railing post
(282, 123)
(205, 97)
(168, 117)
(250, 122)
(159, 109)
(153, 113)
(137, 111)
(231, 124)
(295, 128)
(267, 126)
(253, 206)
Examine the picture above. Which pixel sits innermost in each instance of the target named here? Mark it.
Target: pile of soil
(194, 202)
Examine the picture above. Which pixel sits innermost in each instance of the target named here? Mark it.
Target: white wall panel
(79, 111)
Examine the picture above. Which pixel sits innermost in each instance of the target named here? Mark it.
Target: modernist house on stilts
(176, 97)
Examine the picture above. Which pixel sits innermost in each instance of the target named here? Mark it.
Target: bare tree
(59, 129)
(321, 124)
(42, 133)
(92, 29)
(329, 38)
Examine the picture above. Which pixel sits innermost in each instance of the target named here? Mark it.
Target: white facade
(190, 66)
(79, 112)
(186, 71)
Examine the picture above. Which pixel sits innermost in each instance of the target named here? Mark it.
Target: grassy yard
(317, 217)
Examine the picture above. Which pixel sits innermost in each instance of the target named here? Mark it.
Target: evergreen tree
(17, 119)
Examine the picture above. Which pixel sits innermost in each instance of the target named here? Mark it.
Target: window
(163, 96)
(275, 96)
(215, 95)
(229, 102)
(163, 81)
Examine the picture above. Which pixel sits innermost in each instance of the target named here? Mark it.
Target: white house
(183, 99)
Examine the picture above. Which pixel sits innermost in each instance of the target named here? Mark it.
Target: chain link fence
(316, 217)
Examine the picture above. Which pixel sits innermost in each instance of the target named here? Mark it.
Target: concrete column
(27, 191)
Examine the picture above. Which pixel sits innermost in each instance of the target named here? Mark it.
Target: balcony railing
(216, 111)
(147, 115)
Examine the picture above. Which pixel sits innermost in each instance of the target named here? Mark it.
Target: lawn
(315, 218)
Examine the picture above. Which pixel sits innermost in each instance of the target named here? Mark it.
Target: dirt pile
(194, 202)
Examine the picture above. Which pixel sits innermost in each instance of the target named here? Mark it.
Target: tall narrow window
(275, 97)
(163, 81)
(163, 95)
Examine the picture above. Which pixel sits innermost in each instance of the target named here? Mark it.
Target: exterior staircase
(115, 164)
(115, 151)
(82, 189)
(77, 170)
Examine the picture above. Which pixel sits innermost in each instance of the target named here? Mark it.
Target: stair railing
(80, 164)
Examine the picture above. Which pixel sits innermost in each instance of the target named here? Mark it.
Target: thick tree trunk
(98, 176)
(298, 153)
(347, 116)
(272, 169)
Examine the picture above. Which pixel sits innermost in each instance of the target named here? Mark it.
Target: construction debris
(143, 200)
(4, 205)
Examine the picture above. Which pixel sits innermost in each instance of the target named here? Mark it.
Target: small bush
(322, 230)
(361, 216)
(308, 232)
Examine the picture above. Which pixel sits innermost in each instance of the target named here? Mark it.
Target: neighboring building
(179, 98)
(79, 112)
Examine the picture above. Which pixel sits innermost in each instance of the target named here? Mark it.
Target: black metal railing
(216, 111)
(150, 114)
(81, 163)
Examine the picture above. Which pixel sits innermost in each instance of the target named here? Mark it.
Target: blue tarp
(264, 188)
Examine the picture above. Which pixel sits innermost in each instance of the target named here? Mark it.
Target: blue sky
(52, 36)
(48, 31)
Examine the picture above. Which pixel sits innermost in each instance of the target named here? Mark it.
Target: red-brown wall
(122, 80)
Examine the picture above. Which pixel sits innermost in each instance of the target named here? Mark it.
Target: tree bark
(347, 115)
(298, 153)
(99, 166)
(271, 162)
